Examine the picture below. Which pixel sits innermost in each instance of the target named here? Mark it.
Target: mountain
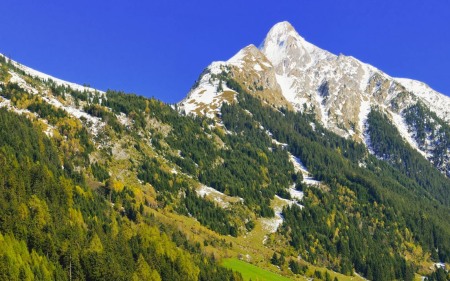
(108, 185)
(287, 71)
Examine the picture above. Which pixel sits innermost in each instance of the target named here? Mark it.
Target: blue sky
(158, 48)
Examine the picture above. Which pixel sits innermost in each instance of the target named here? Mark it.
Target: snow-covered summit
(341, 89)
(281, 29)
(289, 71)
(287, 50)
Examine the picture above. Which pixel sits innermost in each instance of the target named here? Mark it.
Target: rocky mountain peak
(287, 71)
(281, 31)
(287, 50)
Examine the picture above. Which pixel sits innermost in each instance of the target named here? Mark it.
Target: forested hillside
(64, 215)
(432, 135)
(54, 227)
(367, 202)
(97, 186)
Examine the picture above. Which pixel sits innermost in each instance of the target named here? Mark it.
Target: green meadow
(251, 272)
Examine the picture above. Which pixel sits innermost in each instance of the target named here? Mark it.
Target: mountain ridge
(340, 90)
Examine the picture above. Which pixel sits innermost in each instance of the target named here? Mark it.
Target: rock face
(250, 68)
(287, 71)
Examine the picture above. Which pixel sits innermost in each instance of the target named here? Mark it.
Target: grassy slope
(252, 272)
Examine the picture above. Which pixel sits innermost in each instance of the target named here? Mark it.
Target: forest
(54, 227)
(368, 203)
(67, 215)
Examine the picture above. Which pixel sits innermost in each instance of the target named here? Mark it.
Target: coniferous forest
(54, 227)
(364, 207)
(114, 194)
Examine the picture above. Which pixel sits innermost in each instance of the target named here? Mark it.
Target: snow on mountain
(402, 127)
(97, 123)
(341, 90)
(208, 96)
(220, 198)
(288, 51)
(46, 77)
(300, 167)
(312, 78)
(271, 225)
(15, 78)
(19, 78)
(249, 67)
(437, 102)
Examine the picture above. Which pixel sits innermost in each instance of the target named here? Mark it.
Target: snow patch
(123, 119)
(283, 145)
(238, 58)
(46, 77)
(296, 194)
(439, 265)
(7, 103)
(15, 78)
(220, 198)
(403, 130)
(271, 225)
(207, 96)
(276, 142)
(282, 40)
(206, 190)
(97, 124)
(311, 181)
(300, 167)
(364, 110)
(257, 67)
(323, 112)
(437, 102)
(287, 90)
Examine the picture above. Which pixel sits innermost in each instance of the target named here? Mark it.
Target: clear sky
(159, 47)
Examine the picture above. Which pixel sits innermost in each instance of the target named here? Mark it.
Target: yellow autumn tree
(95, 245)
(144, 272)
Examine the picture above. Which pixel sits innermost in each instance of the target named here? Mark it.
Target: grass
(252, 272)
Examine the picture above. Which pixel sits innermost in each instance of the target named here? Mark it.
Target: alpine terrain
(285, 162)
(287, 71)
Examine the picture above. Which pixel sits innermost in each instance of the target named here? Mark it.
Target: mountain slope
(133, 171)
(72, 205)
(118, 186)
(353, 181)
(340, 90)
